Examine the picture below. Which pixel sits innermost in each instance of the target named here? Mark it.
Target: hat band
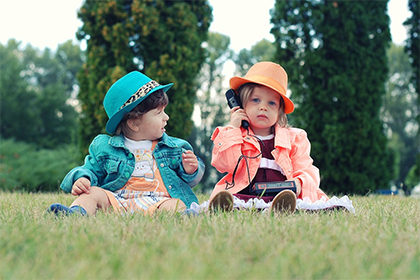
(141, 92)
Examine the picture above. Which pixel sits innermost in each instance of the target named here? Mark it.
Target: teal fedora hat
(127, 93)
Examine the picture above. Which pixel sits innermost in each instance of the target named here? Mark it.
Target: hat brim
(114, 121)
(237, 82)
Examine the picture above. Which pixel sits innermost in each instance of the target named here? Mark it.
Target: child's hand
(189, 162)
(82, 185)
(237, 114)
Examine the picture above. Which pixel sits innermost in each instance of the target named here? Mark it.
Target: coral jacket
(292, 154)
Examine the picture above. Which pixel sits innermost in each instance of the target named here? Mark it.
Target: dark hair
(155, 100)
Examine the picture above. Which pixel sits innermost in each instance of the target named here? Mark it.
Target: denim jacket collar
(167, 141)
(117, 141)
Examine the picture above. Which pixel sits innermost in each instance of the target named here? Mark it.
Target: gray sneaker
(283, 202)
(222, 201)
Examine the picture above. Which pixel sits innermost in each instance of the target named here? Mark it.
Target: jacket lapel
(282, 138)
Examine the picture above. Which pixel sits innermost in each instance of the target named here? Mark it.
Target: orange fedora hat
(268, 74)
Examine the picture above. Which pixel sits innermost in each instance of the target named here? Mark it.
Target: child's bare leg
(93, 200)
(172, 204)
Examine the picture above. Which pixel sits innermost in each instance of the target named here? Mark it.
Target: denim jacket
(110, 164)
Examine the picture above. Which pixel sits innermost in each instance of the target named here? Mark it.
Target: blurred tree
(106, 28)
(413, 42)
(51, 73)
(160, 38)
(210, 103)
(17, 101)
(335, 55)
(413, 176)
(27, 167)
(413, 50)
(35, 89)
(263, 50)
(399, 110)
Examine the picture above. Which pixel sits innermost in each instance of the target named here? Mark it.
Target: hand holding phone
(233, 100)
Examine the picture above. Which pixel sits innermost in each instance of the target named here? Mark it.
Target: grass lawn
(380, 241)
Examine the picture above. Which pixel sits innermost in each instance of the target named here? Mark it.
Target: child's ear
(133, 124)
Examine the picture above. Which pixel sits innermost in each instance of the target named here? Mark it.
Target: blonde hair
(244, 93)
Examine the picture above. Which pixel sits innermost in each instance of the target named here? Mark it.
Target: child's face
(262, 110)
(151, 125)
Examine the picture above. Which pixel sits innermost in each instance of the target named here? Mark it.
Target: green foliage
(413, 42)
(24, 167)
(263, 50)
(335, 55)
(160, 38)
(34, 89)
(413, 50)
(381, 242)
(413, 176)
(211, 104)
(14, 92)
(398, 112)
(106, 30)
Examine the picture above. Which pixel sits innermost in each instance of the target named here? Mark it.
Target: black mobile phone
(273, 188)
(233, 100)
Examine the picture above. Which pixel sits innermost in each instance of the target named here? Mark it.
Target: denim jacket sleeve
(174, 157)
(195, 178)
(105, 166)
(168, 155)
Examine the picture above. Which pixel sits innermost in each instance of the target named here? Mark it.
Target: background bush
(24, 167)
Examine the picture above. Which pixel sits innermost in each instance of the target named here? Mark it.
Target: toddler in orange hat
(268, 154)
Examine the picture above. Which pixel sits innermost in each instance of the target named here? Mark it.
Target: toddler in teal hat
(140, 168)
